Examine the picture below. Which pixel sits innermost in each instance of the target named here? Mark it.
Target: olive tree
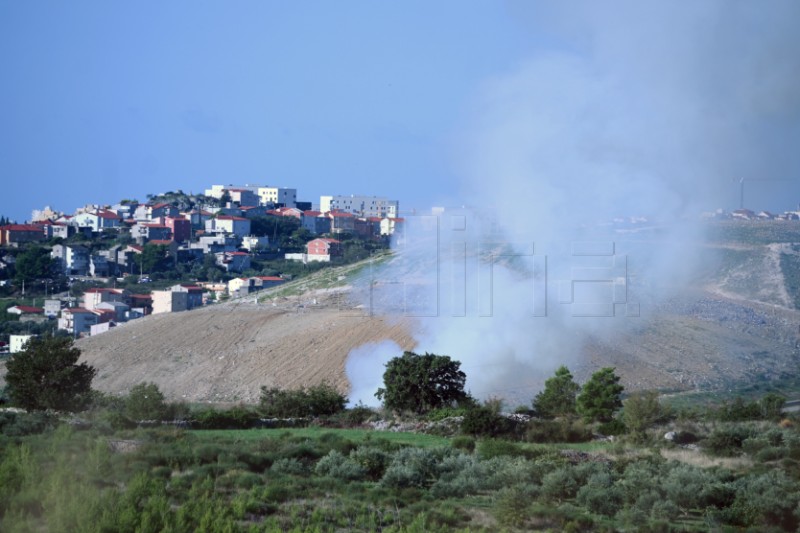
(46, 376)
(420, 383)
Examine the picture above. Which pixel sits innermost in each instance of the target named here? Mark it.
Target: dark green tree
(420, 383)
(640, 411)
(152, 259)
(145, 402)
(46, 376)
(34, 263)
(601, 396)
(558, 396)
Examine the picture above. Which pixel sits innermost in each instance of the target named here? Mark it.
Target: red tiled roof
(135, 247)
(141, 296)
(160, 242)
(22, 227)
(163, 226)
(74, 310)
(107, 215)
(341, 214)
(28, 309)
(229, 217)
(159, 206)
(238, 253)
(270, 278)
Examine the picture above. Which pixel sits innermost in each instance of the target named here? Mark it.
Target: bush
(466, 444)
(485, 421)
(338, 466)
(373, 460)
(145, 402)
(562, 430)
(234, 418)
(512, 507)
(21, 424)
(318, 400)
(727, 441)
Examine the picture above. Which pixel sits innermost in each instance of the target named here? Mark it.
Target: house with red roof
(25, 310)
(77, 320)
(323, 249)
(16, 234)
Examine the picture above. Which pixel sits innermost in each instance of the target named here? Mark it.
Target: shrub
(21, 424)
(512, 507)
(318, 400)
(290, 466)
(340, 467)
(562, 430)
(599, 495)
(727, 441)
(464, 443)
(235, 418)
(373, 460)
(414, 467)
(494, 448)
(485, 421)
(145, 402)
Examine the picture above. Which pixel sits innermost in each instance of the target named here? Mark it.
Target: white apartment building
(362, 206)
(266, 195)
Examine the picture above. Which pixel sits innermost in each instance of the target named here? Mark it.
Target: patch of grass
(355, 435)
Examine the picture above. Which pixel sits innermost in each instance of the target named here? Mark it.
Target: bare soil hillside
(225, 353)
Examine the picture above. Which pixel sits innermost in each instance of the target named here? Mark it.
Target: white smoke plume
(638, 109)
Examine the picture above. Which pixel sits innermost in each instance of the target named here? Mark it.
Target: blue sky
(108, 100)
(111, 100)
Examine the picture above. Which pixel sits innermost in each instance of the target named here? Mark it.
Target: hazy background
(664, 106)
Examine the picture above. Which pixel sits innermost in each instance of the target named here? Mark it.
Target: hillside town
(104, 265)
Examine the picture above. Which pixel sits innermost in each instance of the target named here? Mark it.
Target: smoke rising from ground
(638, 109)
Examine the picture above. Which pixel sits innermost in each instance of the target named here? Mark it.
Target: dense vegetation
(141, 463)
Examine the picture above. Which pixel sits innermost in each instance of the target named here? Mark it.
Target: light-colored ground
(225, 353)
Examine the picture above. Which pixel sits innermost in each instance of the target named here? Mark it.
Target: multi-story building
(72, 260)
(362, 206)
(267, 196)
(15, 234)
(238, 226)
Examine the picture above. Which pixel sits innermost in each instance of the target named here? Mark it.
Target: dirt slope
(225, 353)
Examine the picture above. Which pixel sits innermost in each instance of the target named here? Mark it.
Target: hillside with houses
(84, 273)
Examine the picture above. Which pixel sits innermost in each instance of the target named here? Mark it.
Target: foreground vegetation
(139, 463)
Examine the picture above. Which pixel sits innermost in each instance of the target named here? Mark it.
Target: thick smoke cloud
(637, 109)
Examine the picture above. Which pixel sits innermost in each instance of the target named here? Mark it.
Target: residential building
(102, 327)
(98, 266)
(363, 206)
(266, 282)
(243, 197)
(215, 243)
(119, 309)
(16, 234)
(233, 261)
(240, 286)
(92, 298)
(169, 301)
(238, 226)
(341, 222)
(77, 320)
(180, 227)
(98, 220)
(18, 343)
(323, 249)
(251, 243)
(278, 196)
(52, 308)
(390, 225)
(194, 292)
(253, 211)
(315, 222)
(45, 214)
(72, 260)
(22, 310)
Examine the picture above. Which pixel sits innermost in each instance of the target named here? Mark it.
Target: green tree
(152, 259)
(145, 402)
(34, 263)
(640, 411)
(46, 376)
(420, 383)
(600, 396)
(558, 396)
